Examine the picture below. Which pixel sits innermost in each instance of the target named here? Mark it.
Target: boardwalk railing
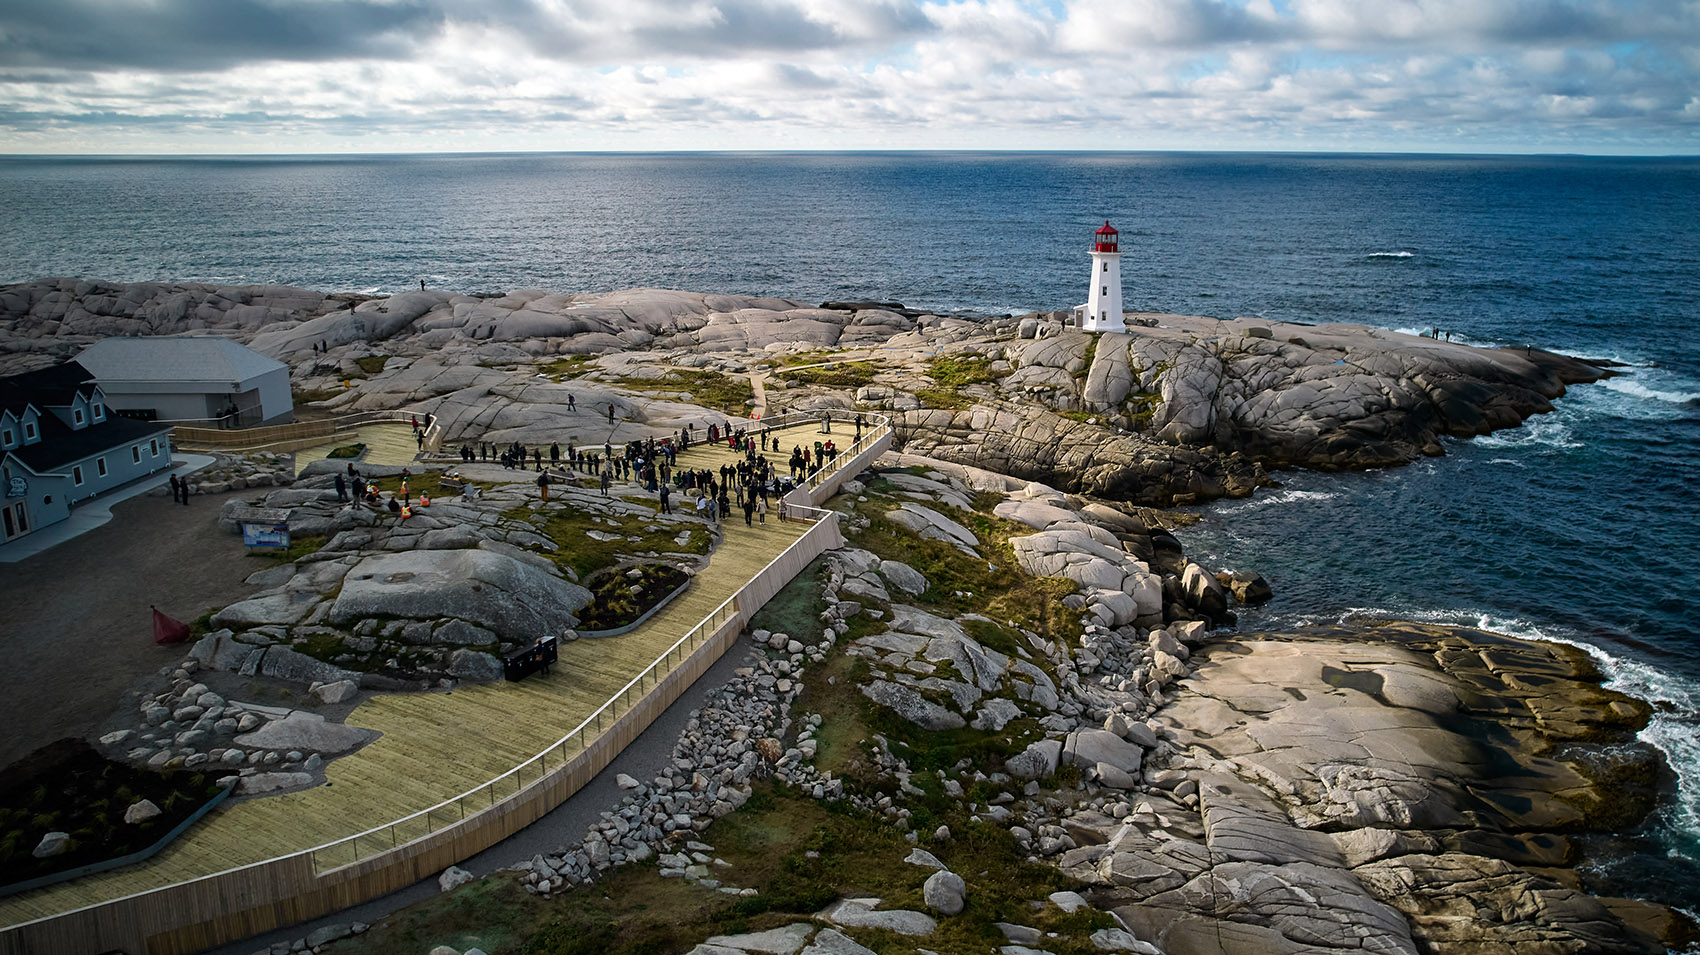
(258, 438)
(211, 910)
(514, 783)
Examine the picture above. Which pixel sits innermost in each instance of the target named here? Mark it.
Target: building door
(17, 520)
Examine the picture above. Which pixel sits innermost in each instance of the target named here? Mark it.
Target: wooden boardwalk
(437, 745)
(389, 443)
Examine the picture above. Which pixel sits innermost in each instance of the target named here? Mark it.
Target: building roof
(198, 359)
(60, 445)
(53, 386)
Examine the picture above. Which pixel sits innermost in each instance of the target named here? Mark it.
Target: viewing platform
(453, 772)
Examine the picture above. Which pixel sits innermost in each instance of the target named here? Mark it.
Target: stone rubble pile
(253, 747)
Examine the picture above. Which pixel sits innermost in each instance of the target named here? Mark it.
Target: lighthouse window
(1106, 266)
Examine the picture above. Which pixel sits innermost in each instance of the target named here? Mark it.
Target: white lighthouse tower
(1103, 309)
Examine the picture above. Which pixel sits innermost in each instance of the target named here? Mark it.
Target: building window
(136, 454)
(1106, 290)
(77, 416)
(99, 412)
(153, 447)
(6, 438)
(77, 475)
(29, 430)
(100, 466)
(1106, 266)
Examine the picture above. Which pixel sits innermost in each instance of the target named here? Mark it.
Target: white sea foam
(1401, 254)
(1550, 430)
(1628, 385)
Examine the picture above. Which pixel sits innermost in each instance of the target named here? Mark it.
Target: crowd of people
(753, 485)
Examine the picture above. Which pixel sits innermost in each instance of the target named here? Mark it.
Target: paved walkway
(78, 633)
(436, 745)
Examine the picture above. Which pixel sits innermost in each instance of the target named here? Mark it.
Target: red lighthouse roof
(1104, 240)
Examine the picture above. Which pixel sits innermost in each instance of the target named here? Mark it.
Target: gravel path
(77, 633)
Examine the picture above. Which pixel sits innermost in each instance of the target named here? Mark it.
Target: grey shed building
(191, 379)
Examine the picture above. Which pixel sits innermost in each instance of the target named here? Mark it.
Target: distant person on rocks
(543, 486)
(610, 412)
(606, 481)
(666, 499)
(572, 403)
(554, 454)
(421, 285)
(341, 490)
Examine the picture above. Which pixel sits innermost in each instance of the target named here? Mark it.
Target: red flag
(167, 629)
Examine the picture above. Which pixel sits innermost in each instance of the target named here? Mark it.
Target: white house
(191, 379)
(61, 445)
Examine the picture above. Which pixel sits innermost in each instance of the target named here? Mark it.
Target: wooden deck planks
(437, 745)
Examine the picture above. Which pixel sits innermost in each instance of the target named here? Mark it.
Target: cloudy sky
(284, 76)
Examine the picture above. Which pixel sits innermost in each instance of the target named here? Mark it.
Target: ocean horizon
(1576, 527)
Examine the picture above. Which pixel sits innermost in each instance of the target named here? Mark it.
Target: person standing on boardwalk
(761, 508)
(606, 481)
(749, 512)
(554, 454)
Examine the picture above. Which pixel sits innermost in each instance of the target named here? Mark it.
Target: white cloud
(542, 74)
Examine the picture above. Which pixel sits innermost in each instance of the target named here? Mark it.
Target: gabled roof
(187, 359)
(53, 386)
(60, 445)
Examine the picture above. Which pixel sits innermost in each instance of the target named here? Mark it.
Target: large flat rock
(515, 599)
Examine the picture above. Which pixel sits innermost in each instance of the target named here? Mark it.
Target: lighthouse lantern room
(1103, 309)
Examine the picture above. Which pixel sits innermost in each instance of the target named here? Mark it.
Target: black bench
(522, 663)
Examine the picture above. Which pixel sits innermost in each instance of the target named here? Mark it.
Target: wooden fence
(277, 434)
(190, 916)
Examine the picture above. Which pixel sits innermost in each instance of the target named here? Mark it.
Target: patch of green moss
(372, 364)
(569, 367)
(853, 374)
(943, 398)
(960, 370)
(710, 389)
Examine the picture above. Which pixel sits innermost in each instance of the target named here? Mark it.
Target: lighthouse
(1103, 309)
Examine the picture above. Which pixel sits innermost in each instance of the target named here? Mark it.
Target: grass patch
(66, 786)
(796, 609)
(850, 374)
(372, 364)
(943, 398)
(585, 555)
(711, 389)
(994, 586)
(956, 372)
(347, 451)
(572, 366)
(1075, 415)
(298, 548)
(613, 603)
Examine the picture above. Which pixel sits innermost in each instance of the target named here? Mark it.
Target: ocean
(1580, 526)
